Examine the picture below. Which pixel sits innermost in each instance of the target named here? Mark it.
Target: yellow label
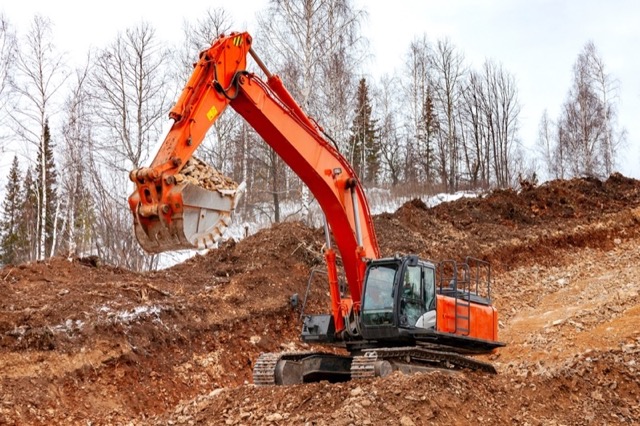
(237, 41)
(213, 112)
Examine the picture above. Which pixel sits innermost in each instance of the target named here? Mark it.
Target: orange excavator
(397, 313)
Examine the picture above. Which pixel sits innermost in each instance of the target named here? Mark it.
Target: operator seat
(427, 320)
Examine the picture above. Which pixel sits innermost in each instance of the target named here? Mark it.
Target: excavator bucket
(207, 199)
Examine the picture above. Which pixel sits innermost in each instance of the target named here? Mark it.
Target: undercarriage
(305, 367)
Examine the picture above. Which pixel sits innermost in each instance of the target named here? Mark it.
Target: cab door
(417, 295)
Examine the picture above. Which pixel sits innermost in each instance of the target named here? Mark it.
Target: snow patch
(129, 316)
(69, 326)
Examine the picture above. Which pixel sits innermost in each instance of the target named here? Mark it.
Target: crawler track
(265, 368)
(363, 366)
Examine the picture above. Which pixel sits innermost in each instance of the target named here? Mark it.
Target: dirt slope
(81, 342)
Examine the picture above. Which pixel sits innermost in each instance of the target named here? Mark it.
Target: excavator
(399, 313)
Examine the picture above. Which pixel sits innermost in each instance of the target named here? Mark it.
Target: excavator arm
(163, 208)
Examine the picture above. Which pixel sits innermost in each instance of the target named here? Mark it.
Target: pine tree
(28, 249)
(427, 129)
(11, 216)
(364, 143)
(47, 197)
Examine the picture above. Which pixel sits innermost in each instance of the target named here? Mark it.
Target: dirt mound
(83, 342)
(580, 391)
(508, 227)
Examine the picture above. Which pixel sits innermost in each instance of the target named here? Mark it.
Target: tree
(131, 95)
(552, 154)
(488, 115)
(474, 117)
(29, 222)
(130, 90)
(364, 147)
(449, 73)
(77, 206)
(587, 131)
(502, 109)
(391, 148)
(8, 48)
(305, 39)
(606, 88)
(41, 74)
(420, 116)
(428, 128)
(10, 237)
(45, 182)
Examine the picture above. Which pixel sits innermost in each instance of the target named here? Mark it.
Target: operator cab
(398, 293)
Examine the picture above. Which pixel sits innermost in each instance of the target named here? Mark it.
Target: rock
(357, 391)
(406, 421)
(215, 392)
(275, 417)
(199, 173)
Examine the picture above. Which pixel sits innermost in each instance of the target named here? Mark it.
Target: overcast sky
(536, 40)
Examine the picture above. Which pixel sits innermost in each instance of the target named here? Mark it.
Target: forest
(438, 124)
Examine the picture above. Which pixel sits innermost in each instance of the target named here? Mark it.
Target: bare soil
(85, 343)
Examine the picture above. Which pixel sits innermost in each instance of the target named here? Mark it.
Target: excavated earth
(85, 343)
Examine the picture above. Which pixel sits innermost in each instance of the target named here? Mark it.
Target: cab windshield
(377, 307)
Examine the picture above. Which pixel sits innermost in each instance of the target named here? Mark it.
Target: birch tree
(606, 88)
(130, 97)
(199, 36)
(40, 76)
(502, 109)
(418, 104)
(304, 39)
(586, 127)
(476, 149)
(7, 59)
(552, 154)
(449, 72)
(130, 89)
(76, 136)
(392, 150)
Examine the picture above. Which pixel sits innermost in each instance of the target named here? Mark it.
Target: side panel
(472, 320)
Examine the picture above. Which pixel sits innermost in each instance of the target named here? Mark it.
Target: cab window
(429, 288)
(377, 305)
(412, 303)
